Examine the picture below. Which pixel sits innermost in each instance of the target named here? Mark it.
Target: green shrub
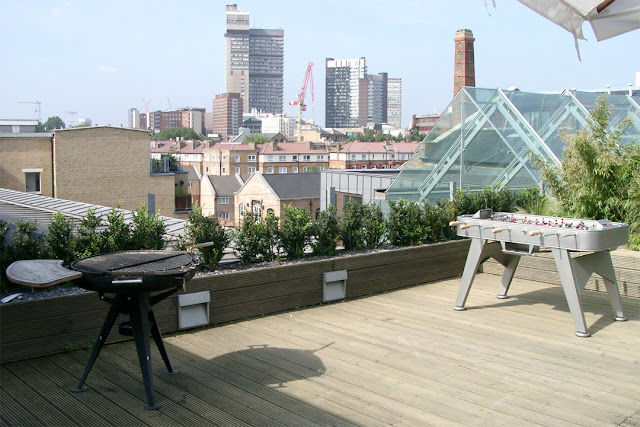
(88, 240)
(257, 240)
(351, 226)
(437, 216)
(26, 242)
(60, 242)
(147, 230)
(295, 231)
(406, 224)
(326, 231)
(373, 226)
(117, 236)
(204, 229)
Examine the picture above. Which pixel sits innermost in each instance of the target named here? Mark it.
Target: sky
(91, 59)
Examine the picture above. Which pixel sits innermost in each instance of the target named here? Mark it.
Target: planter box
(53, 325)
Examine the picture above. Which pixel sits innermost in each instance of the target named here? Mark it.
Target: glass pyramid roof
(484, 137)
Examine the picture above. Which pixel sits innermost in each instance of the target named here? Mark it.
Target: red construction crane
(308, 76)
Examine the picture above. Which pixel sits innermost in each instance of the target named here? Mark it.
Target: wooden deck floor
(401, 358)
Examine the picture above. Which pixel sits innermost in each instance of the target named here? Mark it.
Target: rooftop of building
(290, 147)
(227, 185)
(294, 186)
(379, 147)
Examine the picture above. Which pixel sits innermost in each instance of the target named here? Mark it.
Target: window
(269, 158)
(353, 157)
(243, 210)
(32, 180)
(319, 158)
(223, 215)
(223, 200)
(295, 158)
(306, 158)
(237, 158)
(190, 184)
(282, 158)
(282, 170)
(206, 169)
(257, 209)
(224, 158)
(305, 169)
(270, 169)
(251, 158)
(238, 170)
(294, 169)
(224, 171)
(251, 170)
(364, 157)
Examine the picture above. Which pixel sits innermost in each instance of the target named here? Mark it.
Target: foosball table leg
(478, 252)
(574, 274)
(510, 264)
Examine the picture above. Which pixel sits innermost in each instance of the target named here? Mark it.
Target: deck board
(398, 358)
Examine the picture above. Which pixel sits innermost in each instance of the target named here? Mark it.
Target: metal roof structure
(485, 137)
(18, 206)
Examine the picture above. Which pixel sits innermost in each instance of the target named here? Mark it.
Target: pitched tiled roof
(379, 147)
(295, 186)
(227, 185)
(231, 146)
(290, 148)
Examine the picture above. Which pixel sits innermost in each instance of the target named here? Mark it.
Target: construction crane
(73, 117)
(37, 108)
(300, 101)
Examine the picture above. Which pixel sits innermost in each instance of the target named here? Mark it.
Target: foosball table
(580, 248)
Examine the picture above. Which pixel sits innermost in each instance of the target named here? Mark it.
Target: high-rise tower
(464, 73)
(343, 103)
(254, 60)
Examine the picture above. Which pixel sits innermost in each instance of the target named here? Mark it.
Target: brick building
(291, 157)
(372, 155)
(230, 159)
(270, 193)
(100, 165)
(227, 114)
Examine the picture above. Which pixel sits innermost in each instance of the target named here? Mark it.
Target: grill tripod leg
(140, 324)
(157, 337)
(104, 333)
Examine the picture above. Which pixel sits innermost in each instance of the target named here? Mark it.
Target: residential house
(262, 194)
(218, 196)
(372, 155)
(292, 157)
(225, 158)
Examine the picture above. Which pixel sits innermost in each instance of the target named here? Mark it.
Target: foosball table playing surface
(589, 241)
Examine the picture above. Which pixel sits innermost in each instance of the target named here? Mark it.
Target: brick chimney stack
(464, 73)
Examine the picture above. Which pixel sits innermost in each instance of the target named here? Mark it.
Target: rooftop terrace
(399, 358)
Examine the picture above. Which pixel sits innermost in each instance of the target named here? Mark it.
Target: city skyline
(90, 60)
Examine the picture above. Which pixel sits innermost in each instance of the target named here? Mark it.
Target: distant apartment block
(183, 117)
(227, 114)
(133, 119)
(342, 91)
(394, 102)
(357, 99)
(254, 63)
(424, 122)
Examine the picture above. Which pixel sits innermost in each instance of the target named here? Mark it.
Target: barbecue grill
(133, 276)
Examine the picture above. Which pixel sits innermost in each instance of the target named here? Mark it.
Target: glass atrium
(485, 136)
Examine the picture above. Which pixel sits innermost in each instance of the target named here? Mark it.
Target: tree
(258, 138)
(175, 133)
(53, 123)
(598, 176)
